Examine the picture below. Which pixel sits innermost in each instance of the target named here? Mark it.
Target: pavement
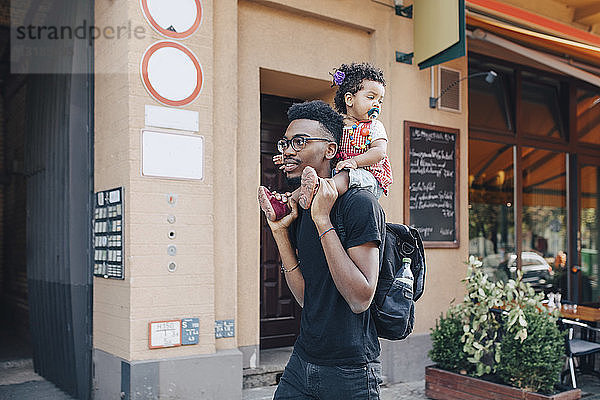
(399, 391)
(18, 381)
(589, 384)
(34, 390)
(273, 362)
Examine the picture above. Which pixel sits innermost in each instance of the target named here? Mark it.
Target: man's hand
(282, 224)
(349, 163)
(323, 202)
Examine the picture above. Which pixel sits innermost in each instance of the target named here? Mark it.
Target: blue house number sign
(190, 330)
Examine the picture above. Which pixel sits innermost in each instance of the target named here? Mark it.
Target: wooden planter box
(445, 385)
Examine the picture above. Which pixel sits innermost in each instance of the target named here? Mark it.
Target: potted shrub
(500, 342)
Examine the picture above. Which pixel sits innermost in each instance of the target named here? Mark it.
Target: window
(491, 106)
(491, 211)
(588, 116)
(544, 221)
(542, 107)
(534, 186)
(589, 222)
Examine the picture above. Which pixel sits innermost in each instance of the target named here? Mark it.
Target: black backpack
(393, 308)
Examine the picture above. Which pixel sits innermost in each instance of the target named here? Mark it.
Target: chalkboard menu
(431, 176)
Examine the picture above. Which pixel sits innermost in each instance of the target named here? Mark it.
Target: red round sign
(164, 16)
(171, 73)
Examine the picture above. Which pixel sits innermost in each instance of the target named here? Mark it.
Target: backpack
(393, 307)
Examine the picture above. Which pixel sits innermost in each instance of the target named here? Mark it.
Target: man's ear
(331, 150)
(348, 99)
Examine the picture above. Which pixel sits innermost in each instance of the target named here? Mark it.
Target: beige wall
(111, 308)
(123, 309)
(217, 226)
(411, 89)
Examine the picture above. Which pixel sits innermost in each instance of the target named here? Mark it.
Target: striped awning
(552, 44)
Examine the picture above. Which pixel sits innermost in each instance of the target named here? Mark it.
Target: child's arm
(376, 153)
(278, 160)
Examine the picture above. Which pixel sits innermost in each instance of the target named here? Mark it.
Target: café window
(544, 219)
(534, 185)
(543, 107)
(588, 116)
(518, 203)
(491, 211)
(491, 107)
(589, 220)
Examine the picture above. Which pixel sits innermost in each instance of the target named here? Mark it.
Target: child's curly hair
(355, 74)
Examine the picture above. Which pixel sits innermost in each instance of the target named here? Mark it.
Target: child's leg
(342, 181)
(310, 185)
(361, 178)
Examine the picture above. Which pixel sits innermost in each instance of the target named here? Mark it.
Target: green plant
(534, 363)
(480, 327)
(447, 350)
(483, 333)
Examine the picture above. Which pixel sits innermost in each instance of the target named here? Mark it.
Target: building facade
(187, 106)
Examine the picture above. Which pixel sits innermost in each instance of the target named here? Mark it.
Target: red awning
(558, 46)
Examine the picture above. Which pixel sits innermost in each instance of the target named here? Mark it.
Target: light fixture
(402, 10)
(490, 76)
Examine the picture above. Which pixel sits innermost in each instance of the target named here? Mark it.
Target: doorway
(587, 286)
(279, 311)
(46, 197)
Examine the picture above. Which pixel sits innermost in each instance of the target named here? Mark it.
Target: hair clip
(338, 78)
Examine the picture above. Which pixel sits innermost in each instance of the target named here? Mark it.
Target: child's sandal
(309, 185)
(274, 209)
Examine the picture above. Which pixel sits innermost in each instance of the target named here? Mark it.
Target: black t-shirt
(330, 333)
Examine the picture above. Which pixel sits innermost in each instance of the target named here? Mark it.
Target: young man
(336, 354)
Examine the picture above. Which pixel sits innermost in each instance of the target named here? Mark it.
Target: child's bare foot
(274, 209)
(308, 187)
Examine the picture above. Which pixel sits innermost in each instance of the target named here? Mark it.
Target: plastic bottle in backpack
(407, 276)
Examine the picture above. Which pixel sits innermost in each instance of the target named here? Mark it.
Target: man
(336, 353)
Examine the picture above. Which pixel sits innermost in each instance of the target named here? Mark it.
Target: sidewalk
(18, 381)
(399, 391)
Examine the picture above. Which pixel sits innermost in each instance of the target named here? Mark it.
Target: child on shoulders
(363, 148)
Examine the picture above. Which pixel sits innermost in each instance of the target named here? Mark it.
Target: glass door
(544, 219)
(589, 234)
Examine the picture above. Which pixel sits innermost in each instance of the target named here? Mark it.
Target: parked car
(490, 265)
(536, 270)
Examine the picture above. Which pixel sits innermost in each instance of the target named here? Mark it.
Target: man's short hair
(331, 122)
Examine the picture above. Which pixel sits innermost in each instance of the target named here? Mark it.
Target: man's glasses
(297, 142)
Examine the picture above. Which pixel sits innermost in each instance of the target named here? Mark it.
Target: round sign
(171, 73)
(175, 19)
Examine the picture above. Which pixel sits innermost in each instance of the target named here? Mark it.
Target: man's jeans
(303, 380)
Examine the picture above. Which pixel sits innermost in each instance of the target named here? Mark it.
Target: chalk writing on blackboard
(431, 174)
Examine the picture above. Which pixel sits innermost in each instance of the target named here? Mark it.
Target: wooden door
(279, 311)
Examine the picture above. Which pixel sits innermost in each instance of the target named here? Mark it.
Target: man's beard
(293, 183)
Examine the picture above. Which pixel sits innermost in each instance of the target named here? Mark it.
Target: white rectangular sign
(172, 118)
(165, 334)
(172, 155)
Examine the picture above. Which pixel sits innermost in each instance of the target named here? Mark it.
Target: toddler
(362, 151)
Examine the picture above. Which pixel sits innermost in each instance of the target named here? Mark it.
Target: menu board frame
(409, 127)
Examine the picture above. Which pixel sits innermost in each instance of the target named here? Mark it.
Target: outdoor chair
(577, 347)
